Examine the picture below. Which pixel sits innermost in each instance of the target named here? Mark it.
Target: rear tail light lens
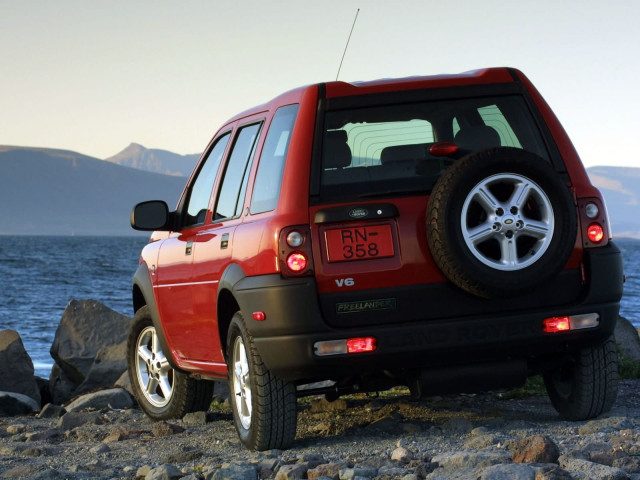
(296, 262)
(591, 210)
(360, 345)
(295, 257)
(295, 239)
(596, 230)
(595, 233)
(570, 323)
(345, 345)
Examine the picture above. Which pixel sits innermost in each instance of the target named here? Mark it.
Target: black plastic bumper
(294, 323)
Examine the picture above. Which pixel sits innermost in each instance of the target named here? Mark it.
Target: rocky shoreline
(485, 436)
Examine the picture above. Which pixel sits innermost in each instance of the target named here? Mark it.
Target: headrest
(400, 153)
(336, 152)
(477, 138)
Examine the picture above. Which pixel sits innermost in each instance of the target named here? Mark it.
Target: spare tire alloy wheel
(526, 217)
(501, 222)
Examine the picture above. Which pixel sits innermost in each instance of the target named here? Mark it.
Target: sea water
(40, 274)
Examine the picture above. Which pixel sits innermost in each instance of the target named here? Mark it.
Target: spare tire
(501, 222)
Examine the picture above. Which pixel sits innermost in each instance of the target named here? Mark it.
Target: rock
(628, 338)
(164, 472)
(233, 472)
(72, 420)
(292, 472)
(594, 471)
(328, 470)
(605, 425)
(89, 347)
(51, 411)
(508, 472)
(536, 449)
(184, 456)
(16, 428)
(125, 382)
(195, 418)
(61, 387)
(16, 367)
(16, 404)
(401, 455)
(470, 459)
(164, 429)
(114, 398)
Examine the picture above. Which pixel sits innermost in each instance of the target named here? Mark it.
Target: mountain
(153, 160)
(60, 192)
(621, 189)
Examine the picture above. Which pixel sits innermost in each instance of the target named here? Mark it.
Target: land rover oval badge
(358, 213)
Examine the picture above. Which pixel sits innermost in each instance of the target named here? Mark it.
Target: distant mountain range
(59, 192)
(153, 160)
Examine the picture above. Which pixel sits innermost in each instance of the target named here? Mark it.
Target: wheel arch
(227, 303)
(142, 293)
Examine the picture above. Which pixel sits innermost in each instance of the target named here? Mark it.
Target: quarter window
(266, 189)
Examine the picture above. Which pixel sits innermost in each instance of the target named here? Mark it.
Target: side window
(201, 189)
(236, 176)
(266, 189)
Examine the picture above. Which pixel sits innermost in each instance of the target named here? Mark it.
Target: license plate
(359, 243)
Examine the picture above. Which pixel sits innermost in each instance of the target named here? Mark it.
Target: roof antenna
(347, 45)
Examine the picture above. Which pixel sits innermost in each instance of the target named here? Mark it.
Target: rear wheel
(587, 384)
(161, 391)
(264, 407)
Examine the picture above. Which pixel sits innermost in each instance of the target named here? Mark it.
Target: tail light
(570, 322)
(596, 231)
(294, 251)
(345, 345)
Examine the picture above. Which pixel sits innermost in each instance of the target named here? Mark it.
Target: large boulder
(16, 367)
(89, 349)
(628, 338)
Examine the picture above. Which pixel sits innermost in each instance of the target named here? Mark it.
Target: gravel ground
(391, 436)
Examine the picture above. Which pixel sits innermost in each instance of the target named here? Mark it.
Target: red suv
(434, 232)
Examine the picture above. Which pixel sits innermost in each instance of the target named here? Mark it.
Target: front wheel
(587, 384)
(264, 407)
(161, 391)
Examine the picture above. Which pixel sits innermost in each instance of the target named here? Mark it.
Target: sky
(94, 76)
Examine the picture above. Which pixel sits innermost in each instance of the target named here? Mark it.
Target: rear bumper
(294, 323)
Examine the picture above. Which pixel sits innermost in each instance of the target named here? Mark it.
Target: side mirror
(152, 215)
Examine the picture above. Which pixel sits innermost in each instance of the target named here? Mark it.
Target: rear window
(384, 150)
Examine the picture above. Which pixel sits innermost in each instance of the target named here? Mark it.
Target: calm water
(39, 275)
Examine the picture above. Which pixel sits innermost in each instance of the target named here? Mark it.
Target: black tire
(587, 385)
(148, 367)
(264, 407)
(492, 241)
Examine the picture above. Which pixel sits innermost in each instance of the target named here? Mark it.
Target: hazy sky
(94, 76)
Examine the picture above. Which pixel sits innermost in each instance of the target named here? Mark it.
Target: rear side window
(234, 184)
(266, 189)
(385, 150)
